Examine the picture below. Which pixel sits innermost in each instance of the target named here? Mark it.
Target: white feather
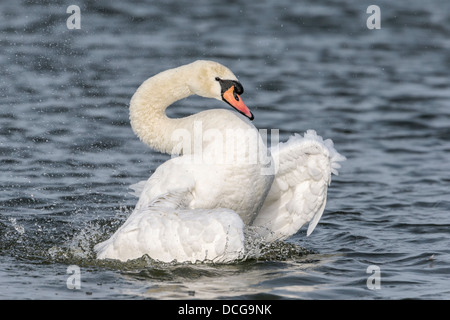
(168, 233)
(299, 191)
(179, 214)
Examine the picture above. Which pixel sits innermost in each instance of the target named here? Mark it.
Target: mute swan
(221, 177)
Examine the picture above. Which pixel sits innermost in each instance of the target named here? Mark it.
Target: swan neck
(148, 105)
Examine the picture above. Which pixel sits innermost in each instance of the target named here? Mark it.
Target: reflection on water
(251, 279)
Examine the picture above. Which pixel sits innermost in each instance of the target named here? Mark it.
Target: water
(68, 154)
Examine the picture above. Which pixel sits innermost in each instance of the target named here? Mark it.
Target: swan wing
(165, 183)
(165, 232)
(299, 192)
(137, 188)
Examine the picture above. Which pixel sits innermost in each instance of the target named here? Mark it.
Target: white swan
(195, 205)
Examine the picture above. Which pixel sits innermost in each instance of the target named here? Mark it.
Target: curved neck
(147, 108)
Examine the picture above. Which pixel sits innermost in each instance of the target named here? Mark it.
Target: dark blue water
(68, 154)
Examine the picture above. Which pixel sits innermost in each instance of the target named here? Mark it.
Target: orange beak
(234, 100)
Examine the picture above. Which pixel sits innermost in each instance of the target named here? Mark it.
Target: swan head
(210, 79)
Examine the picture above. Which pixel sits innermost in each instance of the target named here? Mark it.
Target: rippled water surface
(68, 154)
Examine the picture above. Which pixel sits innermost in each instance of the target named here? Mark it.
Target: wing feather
(299, 191)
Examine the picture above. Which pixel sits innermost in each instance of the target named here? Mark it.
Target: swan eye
(217, 79)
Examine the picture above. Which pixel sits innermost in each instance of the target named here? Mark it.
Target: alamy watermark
(74, 280)
(374, 21)
(213, 146)
(226, 147)
(374, 280)
(74, 21)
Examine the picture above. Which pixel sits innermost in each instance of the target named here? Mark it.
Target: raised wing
(299, 192)
(167, 181)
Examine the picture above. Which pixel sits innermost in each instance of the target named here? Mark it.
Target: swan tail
(299, 192)
(167, 231)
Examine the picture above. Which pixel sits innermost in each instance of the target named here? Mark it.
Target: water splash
(18, 227)
(70, 239)
(257, 248)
